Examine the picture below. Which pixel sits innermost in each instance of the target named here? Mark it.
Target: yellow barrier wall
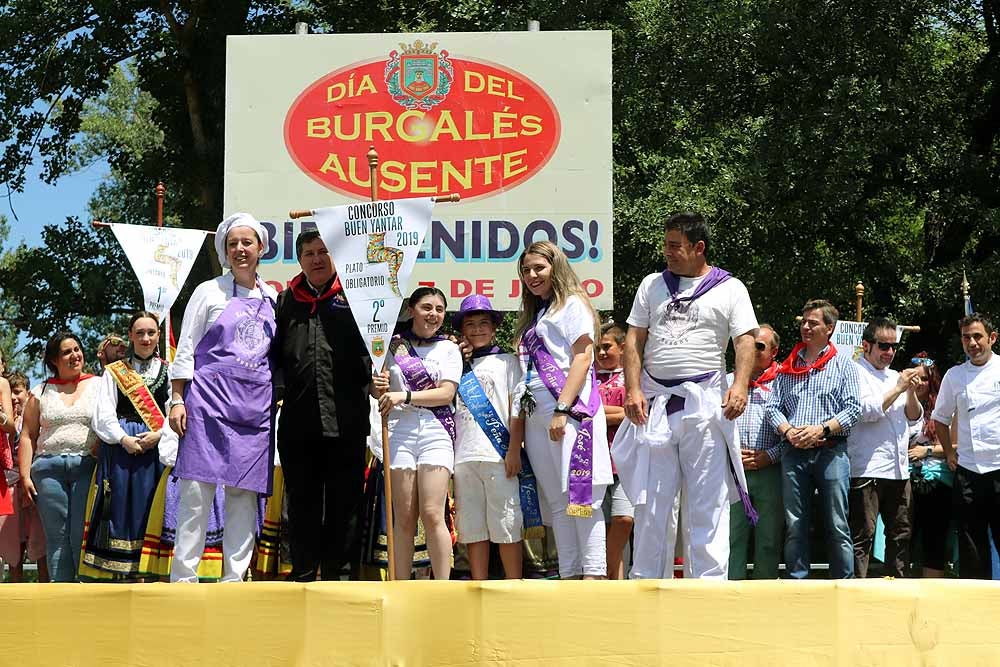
(873, 622)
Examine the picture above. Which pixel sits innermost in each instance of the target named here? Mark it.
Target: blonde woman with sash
(424, 371)
(565, 429)
(130, 421)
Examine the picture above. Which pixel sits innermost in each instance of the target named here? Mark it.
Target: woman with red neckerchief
(57, 425)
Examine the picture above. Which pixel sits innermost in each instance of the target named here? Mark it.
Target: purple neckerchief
(418, 379)
(581, 460)
(675, 404)
(714, 277)
(410, 336)
(486, 351)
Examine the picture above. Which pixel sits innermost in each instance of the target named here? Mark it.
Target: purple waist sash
(581, 461)
(676, 403)
(418, 379)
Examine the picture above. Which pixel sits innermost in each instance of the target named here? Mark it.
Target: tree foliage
(828, 142)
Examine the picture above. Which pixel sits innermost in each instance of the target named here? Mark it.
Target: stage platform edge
(678, 622)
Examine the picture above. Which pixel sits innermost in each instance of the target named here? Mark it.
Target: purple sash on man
(581, 462)
(713, 278)
(419, 379)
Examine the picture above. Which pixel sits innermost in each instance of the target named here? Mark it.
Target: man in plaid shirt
(815, 400)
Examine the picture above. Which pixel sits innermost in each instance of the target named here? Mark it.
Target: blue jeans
(805, 471)
(62, 482)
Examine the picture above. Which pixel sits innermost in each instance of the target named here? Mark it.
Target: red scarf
(83, 376)
(765, 378)
(302, 293)
(788, 367)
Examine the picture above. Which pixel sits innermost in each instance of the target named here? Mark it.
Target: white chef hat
(237, 220)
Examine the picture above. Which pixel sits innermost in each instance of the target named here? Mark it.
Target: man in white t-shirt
(971, 392)
(487, 493)
(877, 449)
(680, 433)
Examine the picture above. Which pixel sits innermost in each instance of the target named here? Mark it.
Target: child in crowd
(21, 534)
(611, 385)
(487, 452)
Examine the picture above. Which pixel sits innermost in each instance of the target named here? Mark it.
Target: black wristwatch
(561, 408)
(826, 431)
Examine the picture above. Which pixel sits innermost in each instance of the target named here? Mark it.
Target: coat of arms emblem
(378, 346)
(417, 76)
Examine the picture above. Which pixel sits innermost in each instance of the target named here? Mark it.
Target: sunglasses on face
(922, 361)
(885, 347)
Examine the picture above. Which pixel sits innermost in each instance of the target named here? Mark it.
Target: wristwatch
(561, 408)
(930, 450)
(172, 403)
(826, 430)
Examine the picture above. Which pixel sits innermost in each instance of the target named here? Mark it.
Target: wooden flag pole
(372, 156)
(859, 293)
(390, 526)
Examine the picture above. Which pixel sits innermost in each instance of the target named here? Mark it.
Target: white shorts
(488, 503)
(417, 438)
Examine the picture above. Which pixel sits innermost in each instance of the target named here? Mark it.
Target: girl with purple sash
(221, 406)
(565, 429)
(424, 370)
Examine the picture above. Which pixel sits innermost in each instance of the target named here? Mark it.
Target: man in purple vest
(680, 433)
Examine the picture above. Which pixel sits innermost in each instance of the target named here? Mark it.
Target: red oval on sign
(440, 124)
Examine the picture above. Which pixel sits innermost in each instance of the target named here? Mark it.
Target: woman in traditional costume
(221, 404)
(57, 425)
(129, 420)
(424, 372)
(565, 429)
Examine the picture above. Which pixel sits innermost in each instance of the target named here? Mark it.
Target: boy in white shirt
(487, 453)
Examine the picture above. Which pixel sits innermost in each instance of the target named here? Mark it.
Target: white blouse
(65, 429)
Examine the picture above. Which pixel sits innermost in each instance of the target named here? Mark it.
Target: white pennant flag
(162, 258)
(374, 246)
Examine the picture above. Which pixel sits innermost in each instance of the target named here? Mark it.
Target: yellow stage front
(873, 622)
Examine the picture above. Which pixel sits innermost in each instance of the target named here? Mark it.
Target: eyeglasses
(922, 361)
(885, 347)
(760, 346)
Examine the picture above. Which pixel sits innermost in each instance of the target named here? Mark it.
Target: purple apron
(228, 437)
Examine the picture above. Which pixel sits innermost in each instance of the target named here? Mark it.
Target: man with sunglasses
(813, 406)
(877, 448)
(971, 393)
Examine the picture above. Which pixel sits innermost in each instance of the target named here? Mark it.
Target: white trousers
(239, 529)
(698, 465)
(580, 541)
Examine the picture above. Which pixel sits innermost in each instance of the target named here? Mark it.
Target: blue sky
(41, 204)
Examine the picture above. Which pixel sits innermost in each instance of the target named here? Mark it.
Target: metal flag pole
(372, 156)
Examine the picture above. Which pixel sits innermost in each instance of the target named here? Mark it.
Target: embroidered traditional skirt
(118, 508)
(274, 559)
